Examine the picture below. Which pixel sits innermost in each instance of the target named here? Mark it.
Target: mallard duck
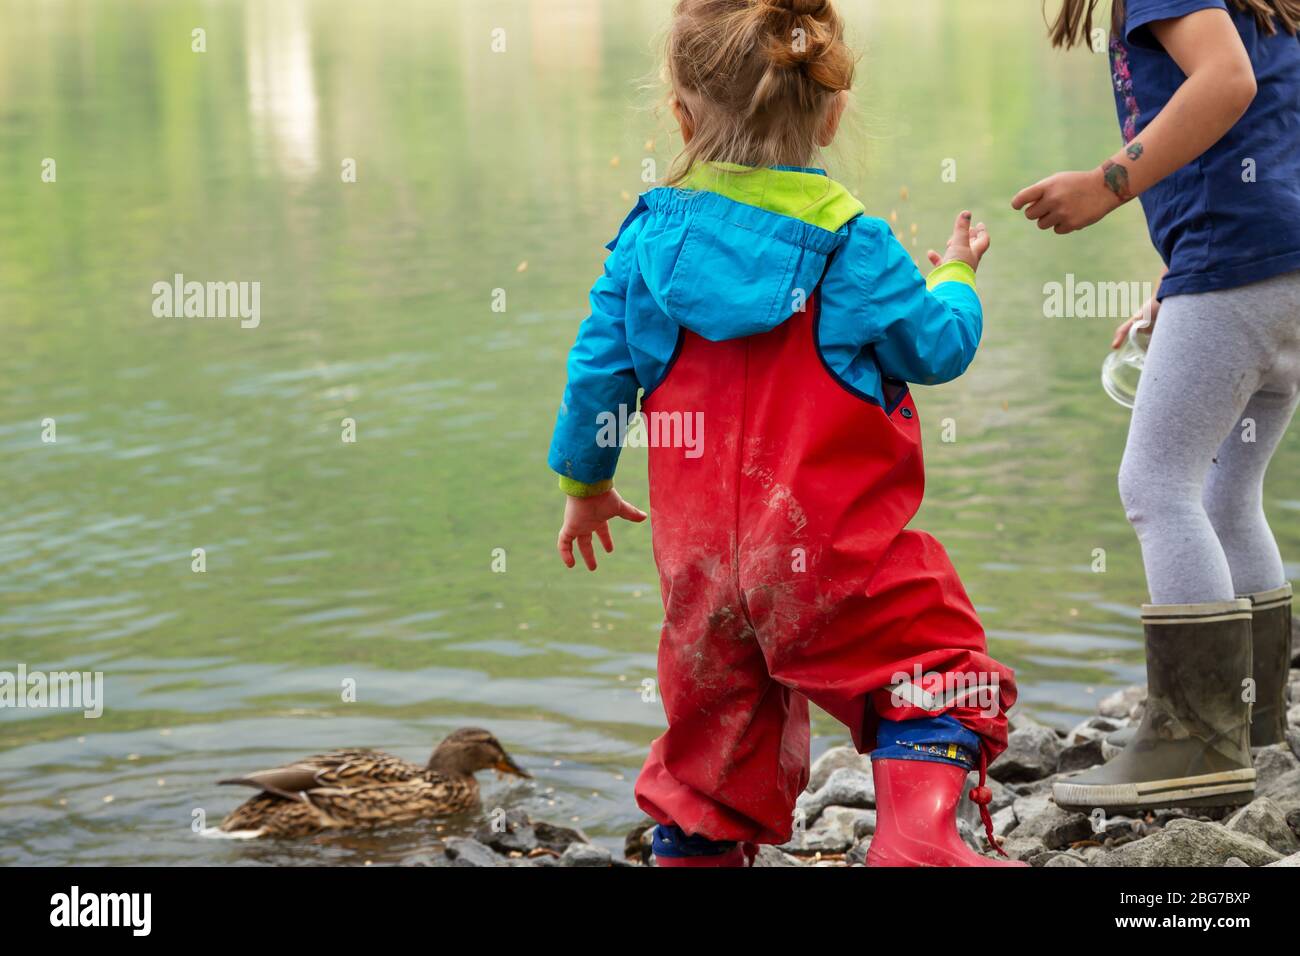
(347, 789)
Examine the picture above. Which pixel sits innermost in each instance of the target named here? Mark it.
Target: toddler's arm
(923, 331)
(599, 398)
(601, 390)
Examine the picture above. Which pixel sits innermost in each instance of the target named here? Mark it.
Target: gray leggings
(1218, 389)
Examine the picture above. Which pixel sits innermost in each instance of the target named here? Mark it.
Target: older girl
(1208, 93)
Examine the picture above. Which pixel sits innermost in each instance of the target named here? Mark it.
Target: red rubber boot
(736, 856)
(916, 816)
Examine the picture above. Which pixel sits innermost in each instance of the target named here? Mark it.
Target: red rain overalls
(787, 576)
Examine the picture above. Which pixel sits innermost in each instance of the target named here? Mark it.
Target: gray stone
(463, 851)
(771, 856)
(1166, 815)
(426, 859)
(1031, 806)
(585, 854)
(1127, 703)
(1017, 719)
(1094, 728)
(857, 856)
(1191, 843)
(1284, 791)
(865, 825)
(512, 832)
(973, 837)
(1031, 754)
(836, 758)
(1065, 859)
(845, 787)
(1004, 821)
(1081, 756)
(1272, 763)
(1235, 861)
(837, 829)
(810, 842)
(638, 844)
(1118, 829)
(557, 838)
(1040, 857)
(1264, 819)
(1053, 827)
(853, 822)
(1022, 849)
(1035, 788)
(1292, 860)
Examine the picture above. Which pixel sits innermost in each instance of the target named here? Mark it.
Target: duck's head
(470, 750)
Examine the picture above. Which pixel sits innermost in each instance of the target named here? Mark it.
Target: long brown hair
(757, 78)
(1073, 24)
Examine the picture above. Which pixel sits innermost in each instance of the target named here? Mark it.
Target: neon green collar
(810, 197)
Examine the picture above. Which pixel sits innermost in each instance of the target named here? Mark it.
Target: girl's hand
(1070, 201)
(584, 517)
(1150, 309)
(968, 243)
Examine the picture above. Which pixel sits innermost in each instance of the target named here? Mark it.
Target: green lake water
(371, 562)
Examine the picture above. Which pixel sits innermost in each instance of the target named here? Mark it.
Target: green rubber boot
(1192, 748)
(1271, 646)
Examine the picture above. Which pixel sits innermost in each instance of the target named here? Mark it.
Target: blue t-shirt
(1233, 216)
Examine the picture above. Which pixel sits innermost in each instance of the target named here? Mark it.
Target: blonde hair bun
(758, 77)
(800, 8)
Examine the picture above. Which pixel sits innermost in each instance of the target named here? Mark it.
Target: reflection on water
(281, 88)
(372, 562)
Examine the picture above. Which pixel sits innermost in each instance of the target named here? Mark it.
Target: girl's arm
(1219, 88)
(918, 330)
(599, 398)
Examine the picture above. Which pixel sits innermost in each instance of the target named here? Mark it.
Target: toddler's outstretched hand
(584, 517)
(968, 243)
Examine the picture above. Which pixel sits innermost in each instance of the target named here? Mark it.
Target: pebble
(1032, 753)
(845, 787)
(1191, 843)
(1125, 704)
(834, 759)
(585, 854)
(1264, 819)
(463, 851)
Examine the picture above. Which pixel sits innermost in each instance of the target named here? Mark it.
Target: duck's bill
(507, 765)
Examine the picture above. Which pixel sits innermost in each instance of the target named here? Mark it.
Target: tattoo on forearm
(1135, 151)
(1116, 177)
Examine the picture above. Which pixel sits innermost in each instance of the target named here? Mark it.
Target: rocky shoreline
(839, 816)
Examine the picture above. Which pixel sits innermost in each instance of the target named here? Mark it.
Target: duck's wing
(363, 768)
(337, 769)
(419, 797)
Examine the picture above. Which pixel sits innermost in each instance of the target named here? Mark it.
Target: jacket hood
(736, 252)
